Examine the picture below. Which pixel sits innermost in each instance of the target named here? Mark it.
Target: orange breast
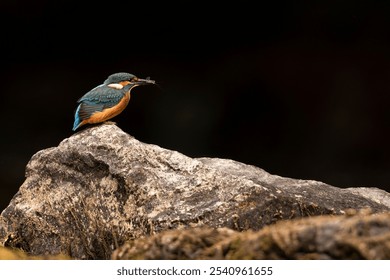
(109, 113)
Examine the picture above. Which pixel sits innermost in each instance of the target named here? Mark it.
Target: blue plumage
(76, 118)
(98, 99)
(106, 96)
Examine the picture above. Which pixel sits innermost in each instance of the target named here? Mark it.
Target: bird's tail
(77, 121)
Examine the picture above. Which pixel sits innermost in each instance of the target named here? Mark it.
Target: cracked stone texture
(101, 187)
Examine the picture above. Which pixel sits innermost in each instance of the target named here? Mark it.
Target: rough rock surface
(360, 236)
(102, 187)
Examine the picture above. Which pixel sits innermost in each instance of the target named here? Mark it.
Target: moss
(17, 254)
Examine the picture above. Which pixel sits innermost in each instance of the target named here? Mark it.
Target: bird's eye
(134, 79)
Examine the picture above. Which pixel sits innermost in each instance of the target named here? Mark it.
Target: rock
(102, 187)
(360, 236)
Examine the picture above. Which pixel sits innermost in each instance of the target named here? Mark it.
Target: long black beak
(146, 81)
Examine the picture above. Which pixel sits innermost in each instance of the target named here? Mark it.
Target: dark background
(298, 89)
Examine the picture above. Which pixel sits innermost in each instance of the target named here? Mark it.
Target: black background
(299, 89)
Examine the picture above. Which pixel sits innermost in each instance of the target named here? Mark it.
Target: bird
(107, 100)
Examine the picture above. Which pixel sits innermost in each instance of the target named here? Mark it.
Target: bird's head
(121, 80)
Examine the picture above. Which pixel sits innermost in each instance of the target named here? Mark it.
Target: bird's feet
(110, 123)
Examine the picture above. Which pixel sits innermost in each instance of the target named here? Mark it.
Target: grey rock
(101, 187)
(373, 194)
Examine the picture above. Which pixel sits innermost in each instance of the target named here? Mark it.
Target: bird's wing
(104, 95)
(98, 99)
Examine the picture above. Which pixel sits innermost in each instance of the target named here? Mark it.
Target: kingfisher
(107, 100)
